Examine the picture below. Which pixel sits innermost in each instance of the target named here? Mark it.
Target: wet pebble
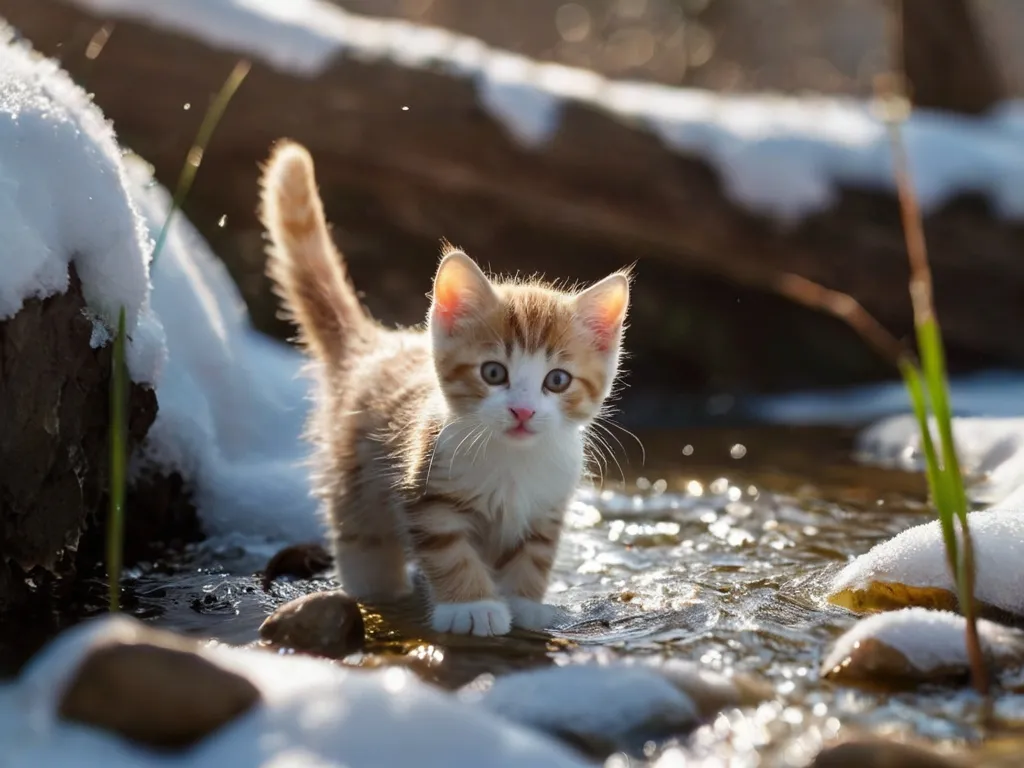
(323, 623)
(880, 753)
(156, 689)
(915, 646)
(300, 561)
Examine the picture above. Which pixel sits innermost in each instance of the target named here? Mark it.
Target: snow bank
(925, 641)
(917, 558)
(232, 401)
(312, 714)
(779, 156)
(64, 199)
(989, 428)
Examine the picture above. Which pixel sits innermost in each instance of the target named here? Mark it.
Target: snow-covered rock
(609, 706)
(311, 714)
(231, 401)
(916, 645)
(911, 568)
(64, 197)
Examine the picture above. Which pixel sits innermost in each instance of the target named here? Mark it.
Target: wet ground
(715, 548)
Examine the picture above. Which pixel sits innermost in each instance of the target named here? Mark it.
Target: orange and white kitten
(459, 444)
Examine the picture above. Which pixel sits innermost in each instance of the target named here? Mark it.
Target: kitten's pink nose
(522, 415)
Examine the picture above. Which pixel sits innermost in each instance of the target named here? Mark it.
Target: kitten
(458, 444)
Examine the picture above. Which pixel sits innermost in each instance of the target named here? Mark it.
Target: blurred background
(407, 155)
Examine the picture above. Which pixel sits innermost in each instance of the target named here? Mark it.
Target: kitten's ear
(460, 289)
(602, 308)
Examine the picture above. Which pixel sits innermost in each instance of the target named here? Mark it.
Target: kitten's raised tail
(307, 270)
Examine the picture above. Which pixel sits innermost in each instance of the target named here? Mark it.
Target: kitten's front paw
(529, 614)
(482, 617)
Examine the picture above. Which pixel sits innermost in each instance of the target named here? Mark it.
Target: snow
(561, 699)
(988, 430)
(232, 402)
(929, 640)
(312, 714)
(917, 557)
(64, 199)
(779, 156)
(985, 394)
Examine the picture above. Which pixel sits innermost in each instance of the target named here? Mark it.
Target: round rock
(322, 623)
(157, 690)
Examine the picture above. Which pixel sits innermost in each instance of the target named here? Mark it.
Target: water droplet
(222, 220)
(186, 106)
(405, 109)
(687, 450)
(738, 451)
(694, 488)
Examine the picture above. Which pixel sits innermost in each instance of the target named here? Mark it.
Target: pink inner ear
(603, 330)
(449, 296)
(604, 317)
(447, 312)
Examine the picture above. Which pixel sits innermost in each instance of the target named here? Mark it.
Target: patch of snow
(917, 557)
(989, 427)
(989, 449)
(600, 701)
(232, 401)
(312, 714)
(780, 156)
(929, 640)
(985, 394)
(64, 199)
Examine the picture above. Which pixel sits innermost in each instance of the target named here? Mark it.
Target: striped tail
(308, 272)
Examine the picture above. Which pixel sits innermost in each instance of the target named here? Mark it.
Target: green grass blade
(195, 154)
(934, 364)
(118, 462)
(938, 484)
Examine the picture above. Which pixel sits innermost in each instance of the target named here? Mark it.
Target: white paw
(529, 614)
(482, 617)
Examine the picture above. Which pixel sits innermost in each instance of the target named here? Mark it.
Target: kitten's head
(524, 359)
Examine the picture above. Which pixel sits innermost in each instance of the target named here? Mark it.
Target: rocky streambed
(710, 622)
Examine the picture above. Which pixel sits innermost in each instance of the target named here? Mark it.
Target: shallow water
(716, 548)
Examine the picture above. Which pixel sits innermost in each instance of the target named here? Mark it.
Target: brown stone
(394, 182)
(157, 690)
(879, 753)
(323, 623)
(302, 561)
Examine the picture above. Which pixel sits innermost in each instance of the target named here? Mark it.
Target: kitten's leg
(369, 552)
(464, 595)
(523, 573)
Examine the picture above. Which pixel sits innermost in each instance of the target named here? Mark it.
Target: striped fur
(422, 453)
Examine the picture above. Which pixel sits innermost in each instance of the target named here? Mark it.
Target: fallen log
(419, 134)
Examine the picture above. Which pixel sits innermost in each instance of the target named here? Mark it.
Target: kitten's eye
(557, 380)
(494, 373)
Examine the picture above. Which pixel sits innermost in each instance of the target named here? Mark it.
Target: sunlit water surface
(718, 550)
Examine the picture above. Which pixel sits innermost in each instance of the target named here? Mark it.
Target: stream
(715, 547)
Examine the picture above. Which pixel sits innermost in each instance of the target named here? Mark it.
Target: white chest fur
(511, 485)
